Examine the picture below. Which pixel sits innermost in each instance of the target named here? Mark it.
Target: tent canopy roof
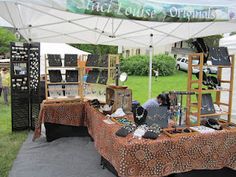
(59, 48)
(48, 21)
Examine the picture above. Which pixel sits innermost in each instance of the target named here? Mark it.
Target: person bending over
(160, 100)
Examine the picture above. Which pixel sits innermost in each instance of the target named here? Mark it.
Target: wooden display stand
(194, 108)
(97, 90)
(62, 83)
(86, 91)
(120, 97)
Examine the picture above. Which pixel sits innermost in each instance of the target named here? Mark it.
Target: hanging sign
(149, 10)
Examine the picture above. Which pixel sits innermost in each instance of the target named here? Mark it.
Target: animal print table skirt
(60, 113)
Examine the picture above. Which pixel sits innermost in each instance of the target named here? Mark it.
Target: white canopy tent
(53, 21)
(4, 23)
(56, 48)
(230, 43)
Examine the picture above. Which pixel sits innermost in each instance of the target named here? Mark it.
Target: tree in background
(97, 49)
(211, 41)
(6, 37)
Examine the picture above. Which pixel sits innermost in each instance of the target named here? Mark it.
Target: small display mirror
(123, 77)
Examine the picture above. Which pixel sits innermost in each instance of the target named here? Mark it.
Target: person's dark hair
(167, 101)
(162, 97)
(4, 69)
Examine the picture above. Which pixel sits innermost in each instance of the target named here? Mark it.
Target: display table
(138, 158)
(163, 156)
(60, 113)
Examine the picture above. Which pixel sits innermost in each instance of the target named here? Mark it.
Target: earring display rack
(25, 80)
(194, 108)
(93, 76)
(102, 69)
(63, 77)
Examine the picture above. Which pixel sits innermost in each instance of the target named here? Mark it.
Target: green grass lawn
(10, 143)
(139, 85)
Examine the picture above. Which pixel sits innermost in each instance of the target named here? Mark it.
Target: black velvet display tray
(219, 56)
(93, 60)
(72, 75)
(71, 60)
(54, 60)
(207, 104)
(103, 76)
(55, 75)
(92, 76)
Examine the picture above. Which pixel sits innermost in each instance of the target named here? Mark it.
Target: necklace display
(219, 56)
(207, 104)
(140, 115)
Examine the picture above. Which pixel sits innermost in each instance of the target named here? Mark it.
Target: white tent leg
(150, 66)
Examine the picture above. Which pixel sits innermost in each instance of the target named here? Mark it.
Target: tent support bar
(150, 66)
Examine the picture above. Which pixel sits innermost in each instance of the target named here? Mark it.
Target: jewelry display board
(219, 56)
(207, 104)
(71, 60)
(54, 60)
(72, 75)
(196, 110)
(159, 115)
(92, 76)
(100, 72)
(67, 78)
(34, 70)
(63, 77)
(55, 75)
(25, 92)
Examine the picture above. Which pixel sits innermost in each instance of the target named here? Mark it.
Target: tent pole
(150, 66)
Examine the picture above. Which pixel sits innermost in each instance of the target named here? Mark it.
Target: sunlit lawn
(10, 143)
(139, 85)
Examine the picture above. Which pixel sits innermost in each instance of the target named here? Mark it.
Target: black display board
(92, 76)
(54, 60)
(103, 62)
(34, 81)
(219, 56)
(93, 60)
(55, 75)
(103, 76)
(158, 115)
(72, 75)
(71, 60)
(25, 87)
(207, 104)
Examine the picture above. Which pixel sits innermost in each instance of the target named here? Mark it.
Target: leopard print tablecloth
(163, 156)
(60, 113)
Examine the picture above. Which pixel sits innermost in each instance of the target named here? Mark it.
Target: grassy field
(10, 143)
(139, 85)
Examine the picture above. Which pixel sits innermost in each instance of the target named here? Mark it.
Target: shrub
(139, 65)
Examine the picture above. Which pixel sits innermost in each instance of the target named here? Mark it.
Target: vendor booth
(84, 90)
